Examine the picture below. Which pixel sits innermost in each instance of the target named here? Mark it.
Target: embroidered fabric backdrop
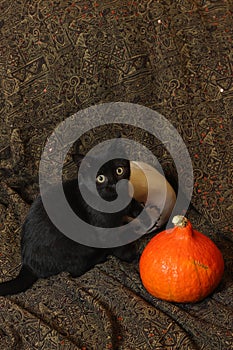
(58, 57)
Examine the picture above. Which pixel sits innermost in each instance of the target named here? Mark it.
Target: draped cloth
(58, 57)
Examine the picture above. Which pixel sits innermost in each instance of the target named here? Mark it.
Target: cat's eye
(100, 179)
(120, 170)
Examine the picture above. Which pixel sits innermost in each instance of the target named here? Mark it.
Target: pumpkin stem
(180, 221)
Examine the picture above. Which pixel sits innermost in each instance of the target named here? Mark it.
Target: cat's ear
(115, 143)
(118, 135)
(87, 160)
(77, 158)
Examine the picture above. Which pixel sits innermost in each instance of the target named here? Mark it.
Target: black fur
(46, 251)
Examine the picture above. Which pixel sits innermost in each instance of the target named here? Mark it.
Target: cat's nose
(112, 187)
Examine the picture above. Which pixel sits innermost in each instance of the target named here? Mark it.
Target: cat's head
(108, 175)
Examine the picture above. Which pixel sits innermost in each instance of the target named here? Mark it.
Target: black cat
(46, 251)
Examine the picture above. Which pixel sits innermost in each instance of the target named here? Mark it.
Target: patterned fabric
(58, 57)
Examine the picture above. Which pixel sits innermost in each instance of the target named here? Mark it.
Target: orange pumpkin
(181, 264)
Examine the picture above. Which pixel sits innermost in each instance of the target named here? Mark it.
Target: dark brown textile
(58, 57)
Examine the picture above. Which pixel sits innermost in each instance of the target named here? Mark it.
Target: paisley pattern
(58, 57)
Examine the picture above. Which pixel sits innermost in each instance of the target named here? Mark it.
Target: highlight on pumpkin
(181, 264)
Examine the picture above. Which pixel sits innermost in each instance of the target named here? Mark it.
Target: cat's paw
(155, 215)
(145, 220)
(136, 208)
